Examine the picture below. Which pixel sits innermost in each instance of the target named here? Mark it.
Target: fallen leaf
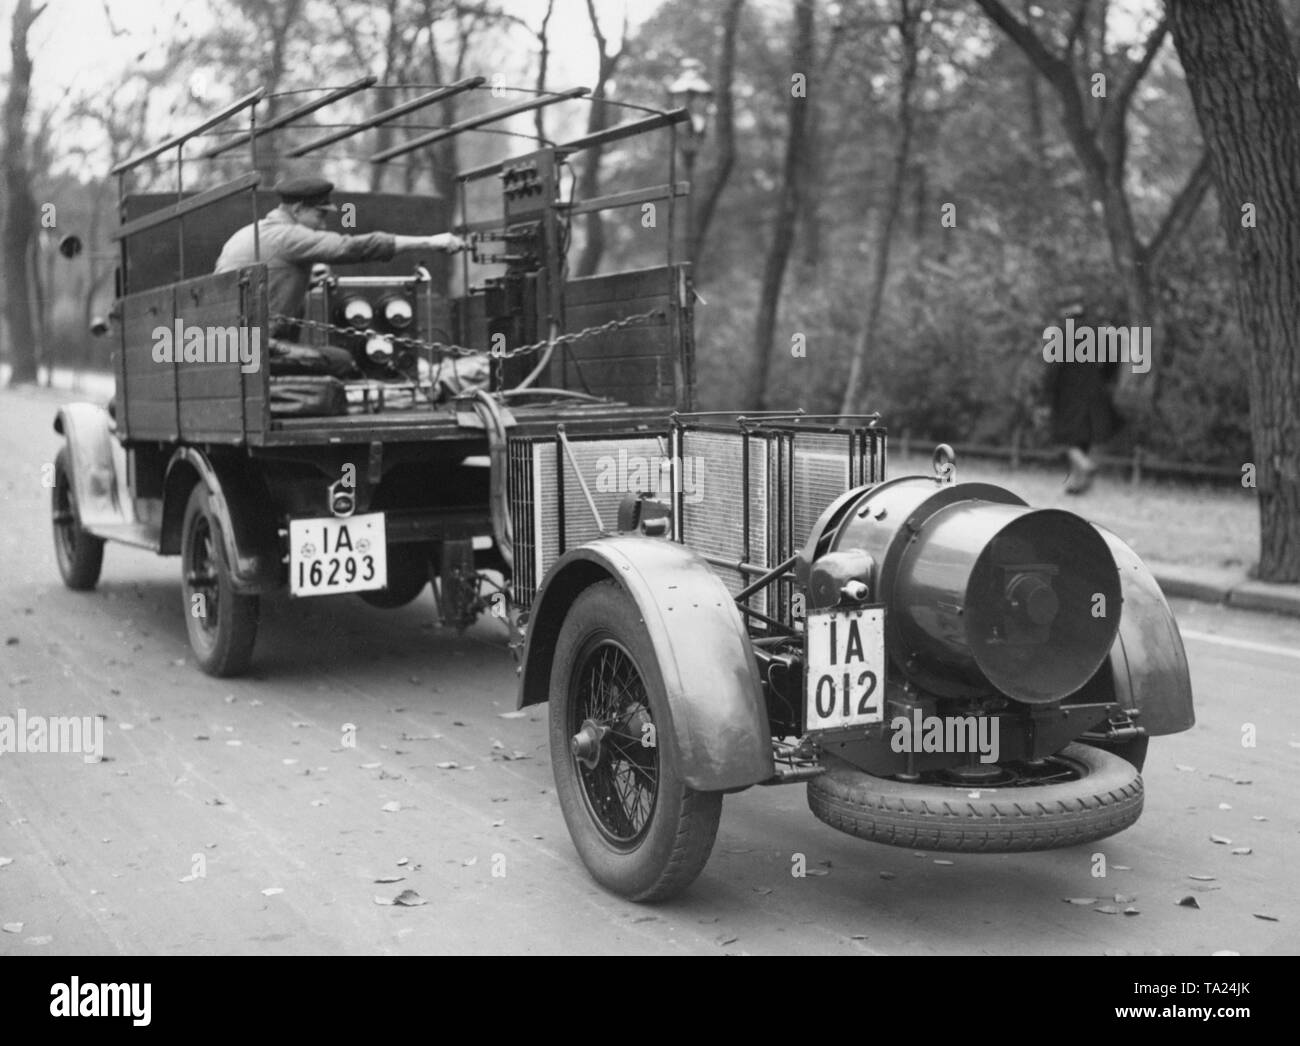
(6, 860)
(1106, 909)
(271, 891)
(817, 871)
(1259, 817)
(646, 919)
(371, 766)
(1266, 918)
(402, 862)
(858, 937)
(201, 737)
(888, 875)
(387, 902)
(496, 744)
(1225, 806)
(1222, 840)
(497, 823)
(468, 862)
(1131, 911)
(727, 941)
(1242, 781)
(939, 861)
(1202, 878)
(409, 899)
(12, 927)
(320, 802)
(1081, 900)
(1189, 902)
(1242, 851)
(391, 808)
(520, 715)
(1185, 769)
(390, 879)
(763, 890)
(447, 766)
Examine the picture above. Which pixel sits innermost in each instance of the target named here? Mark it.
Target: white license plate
(845, 683)
(330, 556)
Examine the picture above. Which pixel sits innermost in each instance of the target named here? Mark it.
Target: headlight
(357, 312)
(398, 313)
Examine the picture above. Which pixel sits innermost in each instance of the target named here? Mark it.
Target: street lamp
(690, 91)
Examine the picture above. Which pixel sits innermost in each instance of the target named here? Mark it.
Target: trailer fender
(1149, 665)
(249, 532)
(715, 699)
(98, 465)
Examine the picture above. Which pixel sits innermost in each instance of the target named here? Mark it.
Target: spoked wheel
(80, 555)
(1076, 796)
(222, 623)
(640, 830)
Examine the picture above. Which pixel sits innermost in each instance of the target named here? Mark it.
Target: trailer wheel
(407, 575)
(221, 622)
(1082, 794)
(80, 555)
(640, 830)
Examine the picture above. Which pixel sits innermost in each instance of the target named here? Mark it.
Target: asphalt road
(234, 816)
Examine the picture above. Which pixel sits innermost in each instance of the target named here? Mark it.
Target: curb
(1207, 585)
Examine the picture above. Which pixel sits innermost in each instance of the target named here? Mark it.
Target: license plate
(845, 683)
(330, 556)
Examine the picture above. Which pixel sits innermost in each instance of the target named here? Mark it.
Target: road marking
(1242, 644)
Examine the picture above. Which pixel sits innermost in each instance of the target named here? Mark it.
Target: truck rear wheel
(80, 555)
(1086, 794)
(639, 828)
(408, 573)
(222, 623)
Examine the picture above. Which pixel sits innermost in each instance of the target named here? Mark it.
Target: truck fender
(1148, 662)
(245, 517)
(715, 700)
(98, 466)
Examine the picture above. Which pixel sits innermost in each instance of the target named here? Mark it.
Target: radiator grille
(546, 501)
(713, 520)
(794, 471)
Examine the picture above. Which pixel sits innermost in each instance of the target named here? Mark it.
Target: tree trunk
(907, 28)
(711, 191)
(20, 209)
(593, 247)
(787, 208)
(1241, 73)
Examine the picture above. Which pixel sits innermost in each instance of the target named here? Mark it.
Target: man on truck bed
(292, 239)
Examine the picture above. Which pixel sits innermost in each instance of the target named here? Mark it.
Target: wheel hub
(585, 744)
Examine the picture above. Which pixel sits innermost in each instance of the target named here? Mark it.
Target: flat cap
(315, 192)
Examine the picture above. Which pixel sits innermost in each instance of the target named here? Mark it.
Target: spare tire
(1102, 796)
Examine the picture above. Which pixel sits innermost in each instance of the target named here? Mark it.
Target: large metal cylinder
(982, 591)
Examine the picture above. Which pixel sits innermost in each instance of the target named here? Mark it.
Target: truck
(706, 601)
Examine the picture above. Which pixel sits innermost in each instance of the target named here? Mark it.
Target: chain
(445, 349)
